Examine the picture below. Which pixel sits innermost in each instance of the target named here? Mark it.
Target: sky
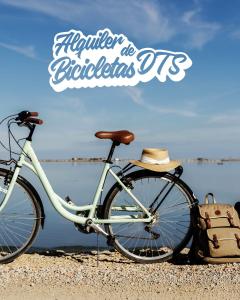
(196, 117)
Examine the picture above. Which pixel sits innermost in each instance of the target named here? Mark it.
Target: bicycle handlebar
(25, 117)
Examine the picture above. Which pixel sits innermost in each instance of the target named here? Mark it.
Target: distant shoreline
(198, 160)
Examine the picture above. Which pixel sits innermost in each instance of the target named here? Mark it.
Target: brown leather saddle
(121, 136)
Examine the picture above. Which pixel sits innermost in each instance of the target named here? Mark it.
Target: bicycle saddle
(121, 136)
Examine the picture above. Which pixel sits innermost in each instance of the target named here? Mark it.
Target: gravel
(66, 275)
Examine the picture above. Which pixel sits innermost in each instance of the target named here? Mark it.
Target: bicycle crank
(96, 228)
(84, 228)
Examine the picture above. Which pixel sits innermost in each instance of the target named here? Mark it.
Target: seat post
(109, 158)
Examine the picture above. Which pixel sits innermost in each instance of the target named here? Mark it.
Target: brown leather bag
(216, 234)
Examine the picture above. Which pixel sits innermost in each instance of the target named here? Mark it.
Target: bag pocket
(217, 215)
(224, 242)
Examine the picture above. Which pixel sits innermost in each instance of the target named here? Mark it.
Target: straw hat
(156, 160)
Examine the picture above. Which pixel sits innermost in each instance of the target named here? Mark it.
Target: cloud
(236, 34)
(135, 13)
(198, 32)
(28, 51)
(135, 95)
(67, 130)
(151, 21)
(228, 118)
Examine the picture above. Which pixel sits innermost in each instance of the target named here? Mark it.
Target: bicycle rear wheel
(19, 220)
(170, 201)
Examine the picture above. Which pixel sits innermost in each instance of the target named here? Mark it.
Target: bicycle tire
(19, 220)
(158, 238)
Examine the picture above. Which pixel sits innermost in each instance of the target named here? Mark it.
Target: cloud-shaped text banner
(107, 59)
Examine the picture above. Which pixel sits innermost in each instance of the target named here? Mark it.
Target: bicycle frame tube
(59, 204)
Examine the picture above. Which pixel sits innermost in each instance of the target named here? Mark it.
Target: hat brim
(157, 168)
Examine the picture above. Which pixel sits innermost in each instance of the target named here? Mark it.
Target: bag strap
(215, 241)
(230, 219)
(207, 197)
(238, 240)
(207, 220)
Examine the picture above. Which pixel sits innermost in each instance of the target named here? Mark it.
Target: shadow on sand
(81, 254)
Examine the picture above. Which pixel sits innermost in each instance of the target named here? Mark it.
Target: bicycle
(146, 215)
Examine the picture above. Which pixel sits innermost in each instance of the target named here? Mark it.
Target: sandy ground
(66, 275)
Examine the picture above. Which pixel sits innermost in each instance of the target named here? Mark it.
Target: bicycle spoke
(170, 227)
(19, 221)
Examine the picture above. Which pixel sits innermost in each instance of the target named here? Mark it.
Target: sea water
(79, 182)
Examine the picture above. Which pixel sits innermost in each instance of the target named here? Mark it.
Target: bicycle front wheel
(19, 220)
(170, 202)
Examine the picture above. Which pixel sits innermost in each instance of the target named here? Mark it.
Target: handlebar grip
(34, 121)
(26, 114)
(33, 114)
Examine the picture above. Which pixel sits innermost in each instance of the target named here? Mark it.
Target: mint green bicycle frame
(63, 207)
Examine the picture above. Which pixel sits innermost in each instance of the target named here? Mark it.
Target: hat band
(148, 160)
